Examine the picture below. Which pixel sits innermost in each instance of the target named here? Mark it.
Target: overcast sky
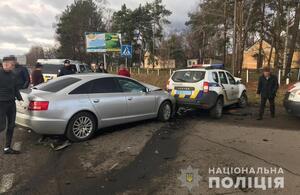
(30, 22)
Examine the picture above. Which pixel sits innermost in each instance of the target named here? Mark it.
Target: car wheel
(243, 102)
(165, 111)
(81, 127)
(217, 111)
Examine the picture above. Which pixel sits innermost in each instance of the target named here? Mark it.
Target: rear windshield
(188, 76)
(58, 84)
(51, 68)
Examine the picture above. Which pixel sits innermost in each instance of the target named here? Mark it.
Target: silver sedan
(78, 105)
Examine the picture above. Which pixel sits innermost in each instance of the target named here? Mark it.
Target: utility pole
(233, 64)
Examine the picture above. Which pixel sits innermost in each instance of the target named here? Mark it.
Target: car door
(140, 104)
(226, 86)
(109, 101)
(233, 86)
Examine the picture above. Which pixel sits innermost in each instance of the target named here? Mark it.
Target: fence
(248, 75)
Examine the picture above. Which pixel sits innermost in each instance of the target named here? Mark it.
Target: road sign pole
(104, 60)
(126, 61)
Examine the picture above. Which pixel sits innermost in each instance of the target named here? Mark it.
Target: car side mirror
(147, 90)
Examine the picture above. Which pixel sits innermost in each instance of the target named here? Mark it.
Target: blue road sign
(126, 51)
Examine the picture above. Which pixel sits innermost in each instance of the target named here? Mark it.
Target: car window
(51, 68)
(223, 78)
(230, 78)
(83, 89)
(188, 76)
(73, 67)
(57, 84)
(215, 77)
(82, 68)
(105, 85)
(131, 86)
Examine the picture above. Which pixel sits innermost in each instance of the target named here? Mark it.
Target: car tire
(243, 101)
(165, 111)
(217, 111)
(81, 127)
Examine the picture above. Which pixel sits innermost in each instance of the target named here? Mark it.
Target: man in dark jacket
(102, 68)
(9, 92)
(66, 70)
(267, 89)
(22, 74)
(37, 75)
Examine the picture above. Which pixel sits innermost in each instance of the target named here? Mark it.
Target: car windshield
(57, 84)
(188, 76)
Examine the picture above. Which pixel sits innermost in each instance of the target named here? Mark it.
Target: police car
(208, 87)
(292, 100)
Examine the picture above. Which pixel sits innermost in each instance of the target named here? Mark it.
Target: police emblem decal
(190, 178)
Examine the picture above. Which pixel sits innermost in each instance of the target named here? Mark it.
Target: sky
(25, 23)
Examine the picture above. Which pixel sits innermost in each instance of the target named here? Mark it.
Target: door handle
(130, 98)
(96, 101)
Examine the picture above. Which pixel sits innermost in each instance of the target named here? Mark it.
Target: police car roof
(205, 67)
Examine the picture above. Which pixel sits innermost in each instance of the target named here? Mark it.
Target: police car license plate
(181, 92)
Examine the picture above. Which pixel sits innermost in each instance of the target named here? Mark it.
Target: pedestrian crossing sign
(126, 51)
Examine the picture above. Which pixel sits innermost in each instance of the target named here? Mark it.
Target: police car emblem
(190, 178)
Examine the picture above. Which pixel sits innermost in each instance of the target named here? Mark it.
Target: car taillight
(38, 105)
(206, 87)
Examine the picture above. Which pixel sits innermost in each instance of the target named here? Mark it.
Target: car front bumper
(291, 107)
(42, 126)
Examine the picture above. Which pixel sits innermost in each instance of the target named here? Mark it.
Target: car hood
(152, 88)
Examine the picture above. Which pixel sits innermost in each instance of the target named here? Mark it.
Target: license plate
(180, 92)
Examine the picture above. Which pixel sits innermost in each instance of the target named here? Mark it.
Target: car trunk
(29, 95)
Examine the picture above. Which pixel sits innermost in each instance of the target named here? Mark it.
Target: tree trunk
(293, 41)
(261, 34)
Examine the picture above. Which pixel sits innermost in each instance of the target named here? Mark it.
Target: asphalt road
(147, 157)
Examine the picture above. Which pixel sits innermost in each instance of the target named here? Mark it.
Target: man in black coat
(66, 70)
(22, 74)
(267, 89)
(9, 92)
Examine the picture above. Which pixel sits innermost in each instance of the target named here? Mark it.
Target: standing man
(102, 68)
(95, 68)
(22, 74)
(66, 70)
(37, 75)
(9, 92)
(123, 71)
(267, 89)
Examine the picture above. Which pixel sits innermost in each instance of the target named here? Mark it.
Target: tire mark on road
(7, 182)
(138, 174)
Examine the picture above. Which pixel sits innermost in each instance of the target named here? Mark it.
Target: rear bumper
(206, 101)
(291, 107)
(41, 125)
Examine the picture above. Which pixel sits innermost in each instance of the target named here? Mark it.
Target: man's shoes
(259, 118)
(11, 151)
